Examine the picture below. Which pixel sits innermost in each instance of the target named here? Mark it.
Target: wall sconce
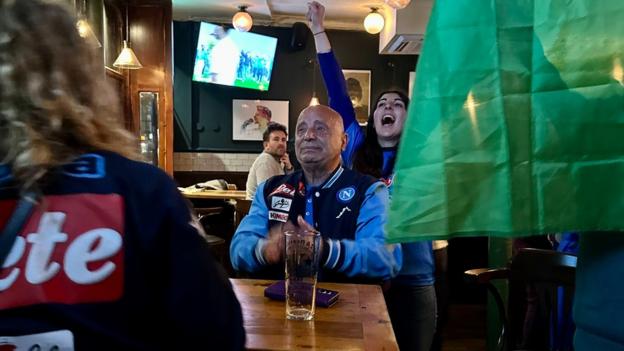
(84, 29)
(397, 4)
(374, 22)
(127, 59)
(242, 20)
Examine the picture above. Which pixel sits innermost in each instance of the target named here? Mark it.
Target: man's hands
(315, 16)
(275, 247)
(303, 225)
(285, 160)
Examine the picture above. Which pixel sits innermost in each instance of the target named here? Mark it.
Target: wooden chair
(545, 270)
(242, 209)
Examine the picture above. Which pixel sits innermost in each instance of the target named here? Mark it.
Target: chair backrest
(541, 287)
(544, 266)
(242, 209)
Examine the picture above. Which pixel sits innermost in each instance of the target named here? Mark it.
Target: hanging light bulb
(242, 20)
(127, 59)
(84, 29)
(374, 22)
(397, 4)
(314, 101)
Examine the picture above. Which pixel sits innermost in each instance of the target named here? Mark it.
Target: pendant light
(127, 59)
(374, 22)
(84, 29)
(314, 101)
(242, 20)
(397, 4)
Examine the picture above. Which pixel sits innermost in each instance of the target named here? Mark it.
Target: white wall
(204, 161)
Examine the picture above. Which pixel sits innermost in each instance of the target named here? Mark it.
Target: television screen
(234, 58)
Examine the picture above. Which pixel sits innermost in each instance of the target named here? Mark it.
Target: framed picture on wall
(250, 118)
(412, 80)
(359, 87)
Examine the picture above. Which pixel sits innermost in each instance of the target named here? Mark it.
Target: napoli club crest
(345, 195)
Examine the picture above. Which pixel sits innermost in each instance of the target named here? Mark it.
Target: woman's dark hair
(369, 157)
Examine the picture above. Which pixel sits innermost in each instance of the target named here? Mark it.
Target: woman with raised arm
(411, 297)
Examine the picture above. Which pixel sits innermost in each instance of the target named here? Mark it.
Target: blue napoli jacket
(418, 264)
(349, 209)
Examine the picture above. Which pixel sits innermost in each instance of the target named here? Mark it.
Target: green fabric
(516, 126)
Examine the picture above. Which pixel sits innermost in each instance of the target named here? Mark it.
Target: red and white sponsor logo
(278, 216)
(284, 189)
(71, 253)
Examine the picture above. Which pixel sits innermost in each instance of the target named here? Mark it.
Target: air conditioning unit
(404, 31)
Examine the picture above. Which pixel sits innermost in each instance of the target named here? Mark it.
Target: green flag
(516, 125)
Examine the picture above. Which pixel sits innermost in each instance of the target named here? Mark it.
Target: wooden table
(216, 194)
(358, 321)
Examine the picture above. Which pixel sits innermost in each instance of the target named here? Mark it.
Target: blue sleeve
(250, 236)
(339, 100)
(355, 139)
(368, 254)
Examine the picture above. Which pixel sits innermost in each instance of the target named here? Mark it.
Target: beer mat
(324, 297)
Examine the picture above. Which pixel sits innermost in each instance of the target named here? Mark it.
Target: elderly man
(274, 160)
(348, 208)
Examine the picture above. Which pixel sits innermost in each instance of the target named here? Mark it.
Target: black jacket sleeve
(201, 303)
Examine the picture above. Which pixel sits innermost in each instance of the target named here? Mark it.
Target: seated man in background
(272, 161)
(348, 208)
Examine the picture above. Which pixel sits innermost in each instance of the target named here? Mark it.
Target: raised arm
(335, 82)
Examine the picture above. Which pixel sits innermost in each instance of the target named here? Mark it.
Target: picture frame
(359, 90)
(148, 126)
(250, 118)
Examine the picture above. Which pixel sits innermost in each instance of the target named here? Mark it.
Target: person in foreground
(108, 258)
(348, 208)
(411, 298)
(274, 160)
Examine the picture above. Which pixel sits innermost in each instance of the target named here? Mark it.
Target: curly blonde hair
(55, 103)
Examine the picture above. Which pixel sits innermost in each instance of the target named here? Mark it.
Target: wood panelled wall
(150, 23)
(151, 38)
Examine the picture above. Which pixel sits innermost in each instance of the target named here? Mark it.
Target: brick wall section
(205, 161)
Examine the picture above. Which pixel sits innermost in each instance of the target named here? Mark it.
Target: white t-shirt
(264, 167)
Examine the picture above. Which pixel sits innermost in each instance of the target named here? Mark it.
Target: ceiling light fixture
(242, 20)
(314, 101)
(84, 29)
(374, 22)
(397, 4)
(127, 59)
